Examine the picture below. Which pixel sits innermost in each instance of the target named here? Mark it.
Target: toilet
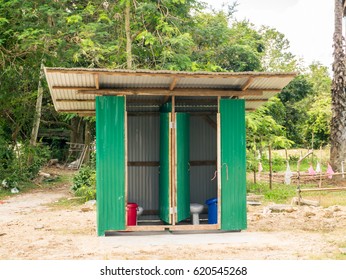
(139, 211)
(195, 210)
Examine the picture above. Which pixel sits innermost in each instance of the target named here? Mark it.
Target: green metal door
(110, 163)
(165, 168)
(233, 164)
(183, 166)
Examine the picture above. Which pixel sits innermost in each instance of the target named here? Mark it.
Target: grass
(65, 203)
(62, 179)
(281, 193)
(327, 199)
(23, 187)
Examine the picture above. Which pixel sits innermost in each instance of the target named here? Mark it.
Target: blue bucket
(212, 210)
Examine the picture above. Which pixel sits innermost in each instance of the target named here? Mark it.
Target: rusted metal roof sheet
(74, 89)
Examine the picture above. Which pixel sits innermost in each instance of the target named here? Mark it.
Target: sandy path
(29, 229)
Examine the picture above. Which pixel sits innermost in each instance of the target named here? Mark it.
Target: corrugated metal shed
(74, 89)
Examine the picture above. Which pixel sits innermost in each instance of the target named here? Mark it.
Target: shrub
(23, 162)
(84, 183)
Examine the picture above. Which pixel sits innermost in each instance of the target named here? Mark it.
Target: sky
(307, 24)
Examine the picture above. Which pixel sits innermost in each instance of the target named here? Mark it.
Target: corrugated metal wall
(202, 147)
(143, 145)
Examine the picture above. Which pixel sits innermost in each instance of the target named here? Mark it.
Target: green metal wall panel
(183, 168)
(165, 171)
(233, 164)
(110, 163)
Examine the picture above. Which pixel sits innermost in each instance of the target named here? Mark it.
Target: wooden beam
(143, 163)
(157, 163)
(74, 88)
(172, 227)
(197, 101)
(174, 83)
(77, 111)
(76, 100)
(247, 84)
(322, 189)
(256, 100)
(178, 92)
(144, 101)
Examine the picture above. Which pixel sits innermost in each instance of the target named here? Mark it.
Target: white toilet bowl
(139, 210)
(195, 210)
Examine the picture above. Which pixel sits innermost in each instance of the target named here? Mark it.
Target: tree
(293, 98)
(276, 56)
(338, 123)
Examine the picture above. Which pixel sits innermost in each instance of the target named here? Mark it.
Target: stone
(309, 214)
(278, 208)
(328, 214)
(90, 202)
(86, 209)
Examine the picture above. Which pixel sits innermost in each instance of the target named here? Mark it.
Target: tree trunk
(77, 130)
(128, 35)
(87, 141)
(338, 123)
(37, 116)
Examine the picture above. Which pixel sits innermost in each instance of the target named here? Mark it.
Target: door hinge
(173, 210)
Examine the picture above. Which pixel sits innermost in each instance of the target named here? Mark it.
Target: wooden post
(320, 183)
(298, 173)
(174, 163)
(219, 186)
(87, 141)
(270, 168)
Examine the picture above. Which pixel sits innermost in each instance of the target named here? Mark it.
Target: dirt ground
(30, 228)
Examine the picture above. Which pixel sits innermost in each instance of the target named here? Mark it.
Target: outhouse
(165, 140)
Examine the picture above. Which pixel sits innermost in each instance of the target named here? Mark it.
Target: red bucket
(132, 214)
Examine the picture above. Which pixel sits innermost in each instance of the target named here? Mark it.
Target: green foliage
(276, 56)
(21, 162)
(263, 131)
(280, 193)
(84, 183)
(169, 34)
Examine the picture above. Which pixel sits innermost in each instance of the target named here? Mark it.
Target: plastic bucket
(212, 210)
(131, 214)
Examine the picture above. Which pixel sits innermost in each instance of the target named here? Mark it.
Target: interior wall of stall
(144, 147)
(202, 148)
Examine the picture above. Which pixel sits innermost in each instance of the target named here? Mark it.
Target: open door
(165, 169)
(233, 164)
(110, 162)
(182, 166)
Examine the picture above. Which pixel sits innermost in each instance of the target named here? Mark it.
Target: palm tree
(338, 123)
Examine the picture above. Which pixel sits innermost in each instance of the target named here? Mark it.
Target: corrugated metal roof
(74, 89)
